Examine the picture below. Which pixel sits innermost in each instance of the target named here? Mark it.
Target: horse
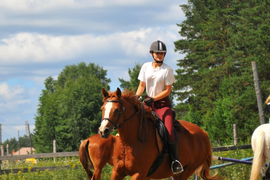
(96, 152)
(260, 143)
(137, 149)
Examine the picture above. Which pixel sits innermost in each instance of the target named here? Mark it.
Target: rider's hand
(148, 101)
(138, 97)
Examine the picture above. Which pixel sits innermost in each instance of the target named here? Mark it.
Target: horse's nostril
(107, 131)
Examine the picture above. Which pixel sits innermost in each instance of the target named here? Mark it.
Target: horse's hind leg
(263, 169)
(97, 174)
(267, 174)
(263, 173)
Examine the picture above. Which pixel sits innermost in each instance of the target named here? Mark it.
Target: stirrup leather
(176, 161)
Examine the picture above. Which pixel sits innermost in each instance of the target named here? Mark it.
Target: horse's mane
(129, 96)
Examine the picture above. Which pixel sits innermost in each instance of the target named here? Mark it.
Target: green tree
(133, 83)
(80, 113)
(14, 144)
(69, 108)
(215, 80)
(46, 117)
(205, 46)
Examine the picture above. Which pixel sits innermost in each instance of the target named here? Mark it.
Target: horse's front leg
(138, 176)
(117, 175)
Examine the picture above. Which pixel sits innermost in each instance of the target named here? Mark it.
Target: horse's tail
(84, 157)
(258, 156)
(204, 169)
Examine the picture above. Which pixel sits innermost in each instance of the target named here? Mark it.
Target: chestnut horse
(134, 157)
(261, 148)
(96, 152)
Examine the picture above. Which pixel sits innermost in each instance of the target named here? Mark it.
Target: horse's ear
(104, 92)
(118, 92)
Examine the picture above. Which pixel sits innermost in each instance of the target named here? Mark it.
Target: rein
(141, 120)
(116, 125)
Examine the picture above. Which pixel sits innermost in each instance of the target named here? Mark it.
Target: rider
(157, 77)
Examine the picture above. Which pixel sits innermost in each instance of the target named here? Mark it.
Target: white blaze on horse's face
(107, 110)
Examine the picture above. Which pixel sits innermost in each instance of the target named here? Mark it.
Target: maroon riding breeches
(163, 108)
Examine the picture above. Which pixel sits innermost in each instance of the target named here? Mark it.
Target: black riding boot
(176, 165)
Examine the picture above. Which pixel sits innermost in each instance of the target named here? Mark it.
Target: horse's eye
(116, 111)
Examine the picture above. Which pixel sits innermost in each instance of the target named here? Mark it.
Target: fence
(232, 161)
(69, 154)
(41, 155)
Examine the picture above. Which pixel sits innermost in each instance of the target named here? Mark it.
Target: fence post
(54, 149)
(30, 141)
(7, 153)
(258, 91)
(2, 154)
(235, 134)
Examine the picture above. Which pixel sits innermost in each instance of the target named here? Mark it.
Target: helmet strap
(158, 61)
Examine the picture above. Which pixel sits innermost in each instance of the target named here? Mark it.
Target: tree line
(214, 81)
(14, 144)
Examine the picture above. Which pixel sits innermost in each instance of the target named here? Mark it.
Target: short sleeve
(141, 76)
(169, 79)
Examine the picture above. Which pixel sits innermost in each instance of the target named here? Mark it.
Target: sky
(38, 38)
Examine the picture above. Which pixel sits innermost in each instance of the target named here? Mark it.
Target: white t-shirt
(156, 79)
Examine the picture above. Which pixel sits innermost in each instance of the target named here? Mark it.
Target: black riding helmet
(158, 46)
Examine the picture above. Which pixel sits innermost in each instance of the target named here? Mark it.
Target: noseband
(115, 124)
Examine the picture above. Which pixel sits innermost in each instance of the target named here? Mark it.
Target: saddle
(162, 140)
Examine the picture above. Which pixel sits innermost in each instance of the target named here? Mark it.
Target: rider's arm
(141, 88)
(164, 93)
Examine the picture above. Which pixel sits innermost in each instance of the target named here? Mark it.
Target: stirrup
(182, 169)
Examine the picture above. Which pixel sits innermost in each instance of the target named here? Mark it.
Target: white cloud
(20, 128)
(174, 13)
(26, 48)
(13, 106)
(37, 6)
(7, 92)
(16, 98)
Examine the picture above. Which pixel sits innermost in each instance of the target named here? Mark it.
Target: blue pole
(244, 161)
(233, 161)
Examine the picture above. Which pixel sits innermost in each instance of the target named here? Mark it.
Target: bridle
(115, 124)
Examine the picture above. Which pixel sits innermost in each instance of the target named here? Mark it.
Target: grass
(237, 171)
(69, 174)
(234, 172)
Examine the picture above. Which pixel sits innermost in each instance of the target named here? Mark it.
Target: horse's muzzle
(105, 134)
